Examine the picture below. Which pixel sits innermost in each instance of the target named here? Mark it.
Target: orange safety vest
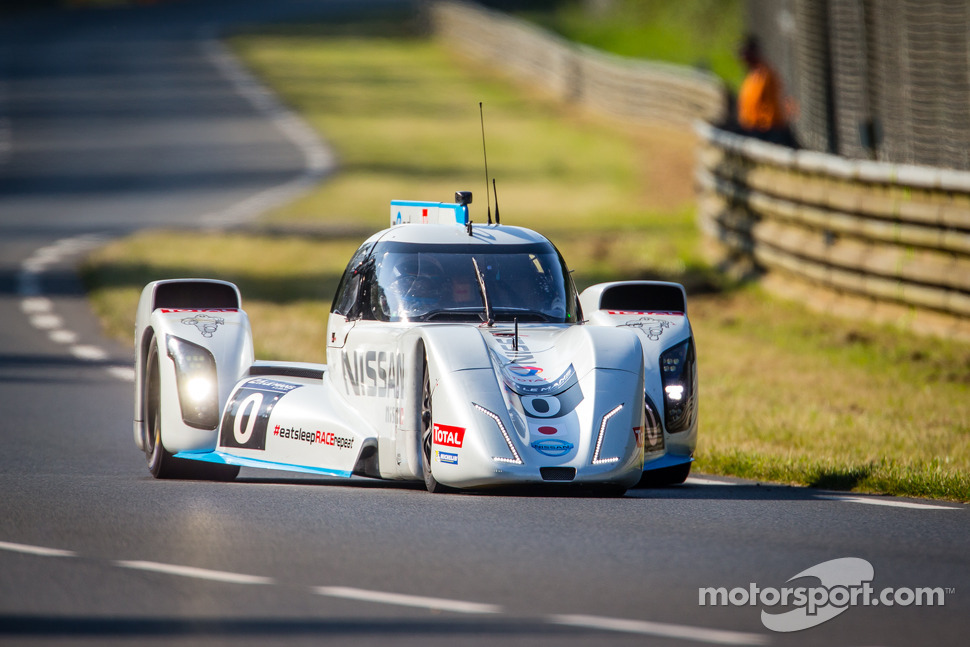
(759, 100)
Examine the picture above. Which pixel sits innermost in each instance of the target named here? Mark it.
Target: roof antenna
(515, 336)
(495, 191)
(488, 199)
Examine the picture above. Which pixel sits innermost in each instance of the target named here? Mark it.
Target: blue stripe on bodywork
(456, 208)
(228, 459)
(668, 460)
(420, 203)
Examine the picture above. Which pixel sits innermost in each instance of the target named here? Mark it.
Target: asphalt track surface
(116, 120)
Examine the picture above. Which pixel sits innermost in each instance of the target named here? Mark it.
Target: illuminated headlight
(678, 372)
(599, 439)
(199, 389)
(515, 460)
(195, 377)
(675, 392)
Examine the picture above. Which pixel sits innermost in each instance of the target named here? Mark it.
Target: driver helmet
(418, 280)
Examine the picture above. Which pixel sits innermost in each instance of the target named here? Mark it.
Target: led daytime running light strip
(516, 460)
(599, 439)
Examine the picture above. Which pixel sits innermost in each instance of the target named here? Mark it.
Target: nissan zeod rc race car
(457, 355)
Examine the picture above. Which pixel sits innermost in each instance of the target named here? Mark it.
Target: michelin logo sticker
(446, 457)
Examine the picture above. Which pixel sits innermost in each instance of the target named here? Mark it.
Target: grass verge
(698, 33)
(789, 396)
(786, 395)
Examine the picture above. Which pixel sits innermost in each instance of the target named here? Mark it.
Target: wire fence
(886, 80)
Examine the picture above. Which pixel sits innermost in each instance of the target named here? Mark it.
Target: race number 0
(242, 437)
(541, 406)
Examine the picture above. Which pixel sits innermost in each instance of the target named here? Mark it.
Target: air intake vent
(557, 473)
(644, 295)
(195, 294)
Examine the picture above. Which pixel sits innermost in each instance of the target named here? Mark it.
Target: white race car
(459, 355)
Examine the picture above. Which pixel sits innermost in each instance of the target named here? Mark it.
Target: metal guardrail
(871, 237)
(621, 87)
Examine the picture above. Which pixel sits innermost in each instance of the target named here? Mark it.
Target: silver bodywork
(509, 403)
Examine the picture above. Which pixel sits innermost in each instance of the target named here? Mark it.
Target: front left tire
(161, 463)
(427, 429)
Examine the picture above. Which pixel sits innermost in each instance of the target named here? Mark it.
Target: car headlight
(678, 372)
(597, 459)
(195, 377)
(516, 459)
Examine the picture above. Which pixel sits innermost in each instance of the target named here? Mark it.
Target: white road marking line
(693, 480)
(318, 159)
(35, 550)
(840, 497)
(196, 573)
(50, 254)
(36, 305)
(889, 503)
(662, 630)
(40, 309)
(123, 373)
(92, 353)
(35, 264)
(67, 246)
(642, 627)
(63, 336)
(401, 599)
(46, 321)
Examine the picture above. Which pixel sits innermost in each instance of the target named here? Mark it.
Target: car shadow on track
(728, 490)
(272, 629)
(691, 490)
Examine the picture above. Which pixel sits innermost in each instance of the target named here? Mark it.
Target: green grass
(786, 395)
(697, 33)
(405, 119)
(791, 396)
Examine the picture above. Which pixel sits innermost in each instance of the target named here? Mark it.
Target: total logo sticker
(447, 435)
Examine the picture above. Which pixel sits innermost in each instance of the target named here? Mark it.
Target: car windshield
(528, 283)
